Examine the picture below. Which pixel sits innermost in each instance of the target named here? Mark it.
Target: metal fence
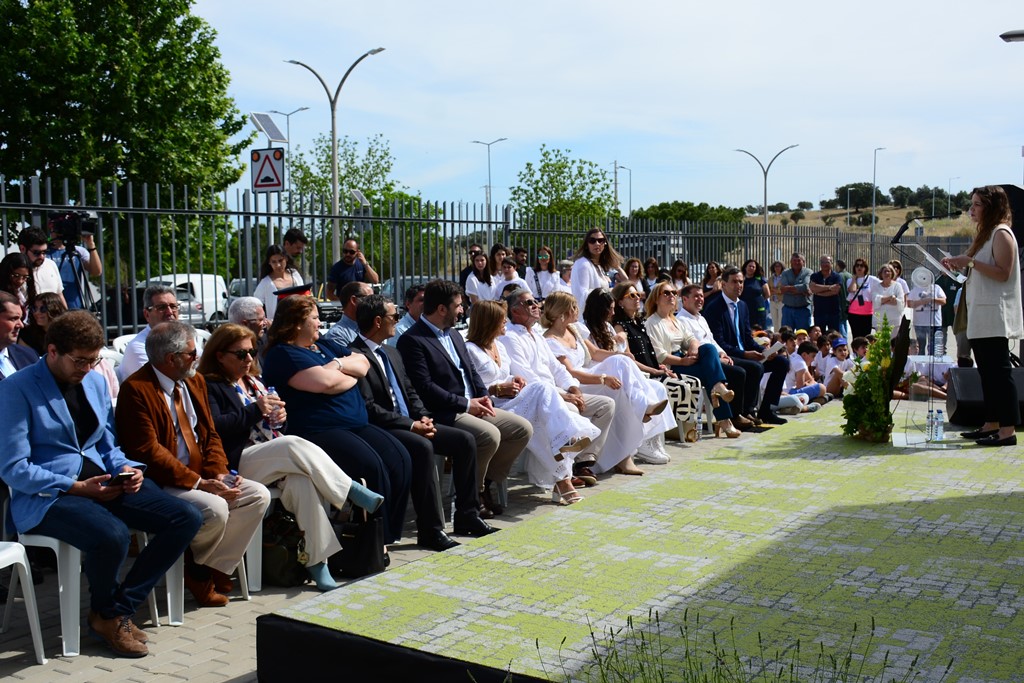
(147, 231)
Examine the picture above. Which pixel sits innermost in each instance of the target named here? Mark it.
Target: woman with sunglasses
(248, 418)
(679, 350)
(542, 277)
(16, 277)
(591, 264)
(859, 295)
(42, 310)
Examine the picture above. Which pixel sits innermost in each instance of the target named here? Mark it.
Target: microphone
(918, 222)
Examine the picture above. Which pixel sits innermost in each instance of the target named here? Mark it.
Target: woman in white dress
(591, 264)
(600, 338)
(277, 272)
(542, 277)
(480, 283)
(888, 299)
(558, 432)
(609, 374)
(775, 291)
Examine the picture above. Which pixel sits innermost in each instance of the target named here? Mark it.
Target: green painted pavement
(798, 533)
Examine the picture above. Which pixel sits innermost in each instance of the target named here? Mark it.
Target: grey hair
(244, 308)
(512, 299)
(168, 337)
(154, 291)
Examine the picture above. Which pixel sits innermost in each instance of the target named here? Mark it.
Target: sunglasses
(193, 354)
(670, 292)
(542, 257)
(40, 309)
(632, 295)
(242, 354)
(475, 253)
(38, 252)
(19, 276)
(348, 252)
(394, 316)
(596, 240)
(529, 303)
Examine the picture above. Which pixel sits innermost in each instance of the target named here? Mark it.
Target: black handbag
(362, 546)
(284, 550)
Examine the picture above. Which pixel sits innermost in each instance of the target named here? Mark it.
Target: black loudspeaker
(964, 403)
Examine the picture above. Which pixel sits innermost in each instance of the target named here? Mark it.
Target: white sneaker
(651, 453)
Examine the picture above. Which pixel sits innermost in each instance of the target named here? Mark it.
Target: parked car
(131, 298)
(237, 288)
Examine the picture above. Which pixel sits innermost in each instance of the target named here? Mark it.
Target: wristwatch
(970, 263)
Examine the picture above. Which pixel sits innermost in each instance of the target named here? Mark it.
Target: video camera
(69, 226)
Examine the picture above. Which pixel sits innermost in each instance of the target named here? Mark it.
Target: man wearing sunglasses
(60, 461)
(45, 273)
(160, 304)
(163, 419)
(353, 267)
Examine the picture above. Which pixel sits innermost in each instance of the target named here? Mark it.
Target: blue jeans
(827, 323)
(796, 318)
(931, 341)
(101, 531)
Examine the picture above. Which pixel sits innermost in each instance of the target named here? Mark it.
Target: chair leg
(28, 590)
(243, 580)
(176, 592)
(253, 562)
(141, 539)
(12, 589)
(69, 581)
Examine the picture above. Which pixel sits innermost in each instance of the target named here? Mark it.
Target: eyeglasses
(240, 354)
(349, 252)
(41, 308)
(475, 253)
(529, 303)
(85, 363)
(38, 252)
(256, 321)
(542, 257)
(19, 276)
(193, 354)
(394, 316)
(164, 307)
(632, 295)
(669, 292)
(597, 240)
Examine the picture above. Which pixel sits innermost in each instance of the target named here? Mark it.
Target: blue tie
(395, 389)
(736, 322)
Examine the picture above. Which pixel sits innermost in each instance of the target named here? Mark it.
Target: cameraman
(74, 271)
(32, 242)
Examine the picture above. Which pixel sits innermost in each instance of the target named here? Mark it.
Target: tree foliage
(860, 196)
(805, 206)
(688, 211)
(559, 184)
(797, 216)
(112, 89)
(781, 207)
(901, 196)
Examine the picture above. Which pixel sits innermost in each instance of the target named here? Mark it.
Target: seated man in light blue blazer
(70, 481)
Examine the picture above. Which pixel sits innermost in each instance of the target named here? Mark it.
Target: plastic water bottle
(929, 429)
(273, 421)
(231, 479)
(940, 425)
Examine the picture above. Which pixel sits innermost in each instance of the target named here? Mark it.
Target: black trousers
(460, 446)
(777, 368)
(736, 379)
(992, 355)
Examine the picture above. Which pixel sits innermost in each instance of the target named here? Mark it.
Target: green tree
(112, 89)
(860, 196)
(797, 216)
(805, 206)
(901, 196)
(829, 204)
(781, 207)
(561, 185)
(688, 211)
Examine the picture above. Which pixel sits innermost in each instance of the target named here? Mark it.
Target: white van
(209, 290)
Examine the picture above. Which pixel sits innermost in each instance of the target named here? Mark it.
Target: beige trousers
(499, 441)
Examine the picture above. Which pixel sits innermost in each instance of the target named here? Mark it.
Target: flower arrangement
(866, 401)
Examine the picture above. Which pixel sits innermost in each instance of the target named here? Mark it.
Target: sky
(668, 89)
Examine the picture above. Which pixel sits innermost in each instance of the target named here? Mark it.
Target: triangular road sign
(267, 177)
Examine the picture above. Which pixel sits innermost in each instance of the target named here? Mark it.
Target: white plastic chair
(252, 563)
(14, 554)
(121, 343)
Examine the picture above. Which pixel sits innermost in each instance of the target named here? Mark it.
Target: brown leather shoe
(222, 582)
(137, 633)
(116, 633)
(204, 592)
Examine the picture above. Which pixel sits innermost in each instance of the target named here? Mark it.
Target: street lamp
(288, 134)
(333, 99)
(949, 198)
(848, 206)
(624, 168)
(874, 191)
(487, 194)
(765, 169)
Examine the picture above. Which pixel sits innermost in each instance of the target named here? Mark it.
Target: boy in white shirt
(836, 366)
(799, 379)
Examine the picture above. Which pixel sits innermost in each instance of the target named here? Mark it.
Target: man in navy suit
(439, 367)
(729, 321)
(13, 357)
(393, 404)
(61, 462)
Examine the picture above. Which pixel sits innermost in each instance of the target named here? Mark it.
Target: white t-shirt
(481, 290)
(796, 366)
(500, 284)
(47, 277)
(929, 315)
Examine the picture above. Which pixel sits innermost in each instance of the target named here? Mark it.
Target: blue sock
(364, 497)
(322, 576)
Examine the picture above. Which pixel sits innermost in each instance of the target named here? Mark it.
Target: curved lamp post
(333, 99)
(874, 191)
(626, 168)
(765, 169)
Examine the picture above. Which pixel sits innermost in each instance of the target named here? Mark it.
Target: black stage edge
(287, 650)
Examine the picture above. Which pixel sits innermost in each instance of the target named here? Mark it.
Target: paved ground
(797, 535)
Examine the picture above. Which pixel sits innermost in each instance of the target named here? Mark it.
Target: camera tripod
(74, 261)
